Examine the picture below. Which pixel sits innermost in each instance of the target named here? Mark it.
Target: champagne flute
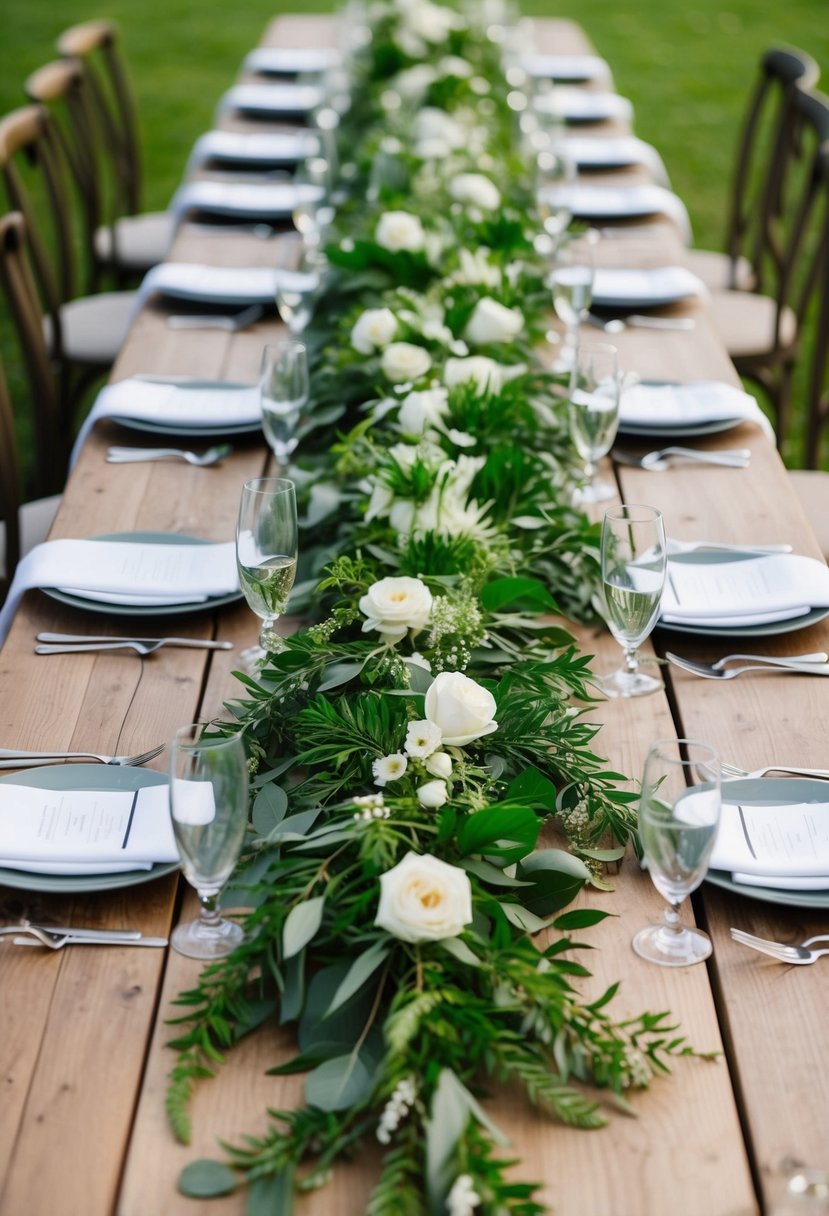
(593, 413)
(266, 556)
(209, 809)
(312, 210)
(283, 394)
(554, 175)
(571, 281)
(678, 815)
(634, 562)
(299, 275)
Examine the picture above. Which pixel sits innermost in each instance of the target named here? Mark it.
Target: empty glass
(266, 557)
(209, 808)
(312, 211)
(571, 282)
(283, 395)
(679, 811)
(593, 413)
(634, 562)
(554, 174)
(299, 279)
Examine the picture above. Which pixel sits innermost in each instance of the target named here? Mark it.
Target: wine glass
(283, 394)
(209, 809)
(554, 175)
(634, 562)
(571, 280)
(266, 556)
(679, 810)
(593, 413)
(299, 274)
(312, 210)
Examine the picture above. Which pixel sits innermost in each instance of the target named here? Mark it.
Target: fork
(808, 664)
(241, 320)
(195, 643)
(140, 647)
(202, 460)
(73, 939)
(731, 770)
(59, 931)
(10, 758)
(658, 461)
(797, 955)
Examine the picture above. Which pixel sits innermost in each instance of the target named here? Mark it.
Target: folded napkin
(568, 67)
(253, 148)
(228, 286)
(291, 60)
(614, 202)
(582, 105)
(774, 845)
(612, 152)
(266, 200)
(647, 288)
(183, 404)
(137, 573)
(727, 594)
(276, 99)
(677, 405)
(85, 831)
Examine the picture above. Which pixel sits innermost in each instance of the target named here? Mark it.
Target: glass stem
(631, 660)
(209, 916)
(670, 918)
(268, 637)
(590, 469)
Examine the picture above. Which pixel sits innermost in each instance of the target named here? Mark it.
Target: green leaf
(336, 674)
(506, 830)
(517, 594)
(205, 1179)
(345, 1025)
(305, 1060)
(533, 787)
(523, 919)
(557, 878)
(293, 992)
(272, 1194)
(358, 973)
(448, 1117)
(460, 951)
(581, 918)
(419, 678)
(301, 925)
(490, 873)
(339, 1083)
(269, 808)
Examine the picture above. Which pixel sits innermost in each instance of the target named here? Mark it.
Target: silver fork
(11, 758)
(731, 770)
(142, 648)
(43, 932)
(202, 460)
(659, 461)
(241, 320)
(809, 664)
(796, 955)
(74, 939)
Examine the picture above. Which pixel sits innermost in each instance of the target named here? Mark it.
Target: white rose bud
(399, 230)
(424, 899)
(462, 709)
(392, 606)
(476, 189)
(403, 361)
(492, 322)
(433, 794)
(373, 330)
(439, 764)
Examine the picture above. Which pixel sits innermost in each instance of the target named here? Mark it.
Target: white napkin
(568, 67)
(582, 105)
(224, 285)
(615, 202)
(253, 147)
(270, 200)
(167, 573)
(726, 594)
(271, 99)
(174, 404)
(612, 151)
(291, 60)
(85, 831)
(763, 843)
(646, 288)
(676, 405)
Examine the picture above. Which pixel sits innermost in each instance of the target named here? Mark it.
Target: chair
(129, 241)
(763, 333)
(754, 194)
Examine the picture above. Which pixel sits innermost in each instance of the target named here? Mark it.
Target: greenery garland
(409, 747)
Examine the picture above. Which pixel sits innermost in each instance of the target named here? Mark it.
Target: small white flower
(373, 330)
(463, 1198)
(424, 899)
(393, 606)
(476, 189)
(492, 322)
(421, 739)
(461, 708)
(389, 768)
(433, 794)
(398, 230)
(403, 361)
(439, 764)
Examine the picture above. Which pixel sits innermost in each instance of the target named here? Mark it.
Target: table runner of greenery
(409, 746)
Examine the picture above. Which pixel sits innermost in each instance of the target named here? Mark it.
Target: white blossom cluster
(463, 1198)
(396, 1109)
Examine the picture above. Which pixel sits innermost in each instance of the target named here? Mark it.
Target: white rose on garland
(403, 361)
(433, 794)
(393, 606)
(424, 899)
(474, 267)
(399, 230)
(484, 373)
(462, 709)
(419, 410)
(493, 322)
(413, 82)
(476, 189)
(373, 330)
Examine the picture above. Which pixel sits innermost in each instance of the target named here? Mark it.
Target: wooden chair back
(10, 490)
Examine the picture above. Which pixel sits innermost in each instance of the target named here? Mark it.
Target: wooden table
(82, 1032)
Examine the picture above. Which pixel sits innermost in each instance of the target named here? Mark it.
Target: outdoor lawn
(686, 67)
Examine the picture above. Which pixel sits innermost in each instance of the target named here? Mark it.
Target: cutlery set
(70, 643)
(805, 664)
(784, 953)
(665, 458)
(214, 455)
(55, 937)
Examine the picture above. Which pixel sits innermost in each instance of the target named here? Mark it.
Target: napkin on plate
(784, 846)
(253, 148)
(612, 152)
(85, 831)
(729, 594)
(617, 202)
(138, 573)
(265, 200)
(582, 105)
(677, 405)
(568, 67)
(276, 99)
(645, 288)
(291, 60)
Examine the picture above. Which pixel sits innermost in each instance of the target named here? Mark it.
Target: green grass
(687, 65)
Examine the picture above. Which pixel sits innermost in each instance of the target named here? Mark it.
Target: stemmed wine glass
(299, 276)
(571, 280)
(209, 809)
(283, 394)
(552, 172)
(634, 562)
(678, 815)
(312, 210)
(593, 413)
(266, 557)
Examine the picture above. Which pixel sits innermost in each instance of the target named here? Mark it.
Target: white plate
(649, 288)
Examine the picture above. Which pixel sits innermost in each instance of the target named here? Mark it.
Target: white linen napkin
(615, 202)
(253, 147)
(222, 285)
(569, 67)
(95, 830)
(617, 151)
(726, 594)
(291, 60)
(675, 405)
(759, 844)
(142, 573)
(271, 200)
(271, 99)
(582, 105)
(649, 287)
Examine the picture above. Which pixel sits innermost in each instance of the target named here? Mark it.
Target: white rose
(485, 374)
(462, 709)
(373, 330)
(389, 768)
(413, 82)
(432, 22)
(398, 230)
(403, 361)
(492, 322)
(424, 899)
(475, 267)
(420, 410)
(430, 124)
(392, 606)
(433, 794)
(421, 740)
(477, 189)
(453, 65)
(439, 764)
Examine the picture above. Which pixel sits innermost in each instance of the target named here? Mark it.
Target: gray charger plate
(84, 777)
(775, 790)
(151, 538)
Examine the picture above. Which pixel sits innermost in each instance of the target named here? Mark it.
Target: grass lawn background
(687, 67)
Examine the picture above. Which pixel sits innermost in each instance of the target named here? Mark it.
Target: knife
(196, 643)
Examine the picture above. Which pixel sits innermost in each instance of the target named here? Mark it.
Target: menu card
(743, 592)
(789, 841)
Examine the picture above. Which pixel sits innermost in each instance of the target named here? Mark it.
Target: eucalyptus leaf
(360, 971)
(293, 992)
(301, 925)
(205, 1179)
(448, 1117)
(336, 674)
(557, 878)
(338, 1083)
(460, 951)
(343, 1026)
(272, 1195)
(490, 873)
(420, 679)
(269, 808)
(522, 918)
